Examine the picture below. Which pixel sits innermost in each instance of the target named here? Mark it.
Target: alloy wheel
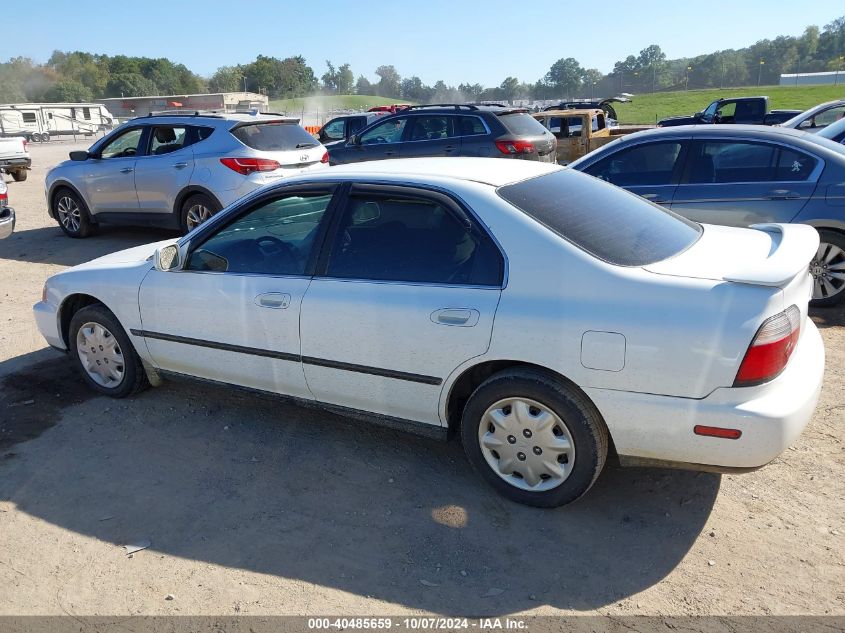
(100, 355)
(197, 214)
(828, 271)
(526, 444)
(69, 213)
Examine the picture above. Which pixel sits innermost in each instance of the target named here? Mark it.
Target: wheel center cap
(816, 270)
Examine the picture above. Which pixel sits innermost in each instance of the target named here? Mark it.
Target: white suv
(177, 170)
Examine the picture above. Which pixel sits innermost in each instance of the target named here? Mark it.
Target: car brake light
(771, 348)
(325, 158)
(4, 199)
(247, 166)
(515, 147)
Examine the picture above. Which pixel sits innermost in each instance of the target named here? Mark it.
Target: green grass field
(648, 108)
(326, 103)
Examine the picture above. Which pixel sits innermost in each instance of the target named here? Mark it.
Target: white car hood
(135, 255)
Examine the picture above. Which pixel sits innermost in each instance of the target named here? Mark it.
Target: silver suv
(177, 170)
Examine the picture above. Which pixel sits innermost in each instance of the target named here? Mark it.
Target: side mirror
(168, 258)
(355, 139)
(700, 113)
(80, 155)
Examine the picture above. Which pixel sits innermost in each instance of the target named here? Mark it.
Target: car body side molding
(308, 360)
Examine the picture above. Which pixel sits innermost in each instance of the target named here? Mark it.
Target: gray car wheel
(196, 210)
(71, 214)
(828, 270)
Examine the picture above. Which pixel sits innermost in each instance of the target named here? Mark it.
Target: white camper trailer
(40, 122)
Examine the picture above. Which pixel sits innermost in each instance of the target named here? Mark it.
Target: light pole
(760, 71)
(836, 77)
(244, 76)
(686, 78)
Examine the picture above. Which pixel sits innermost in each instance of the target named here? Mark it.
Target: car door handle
(451, 148)
(127, 170)
(180, 165)
(274, 300)
(654, 197)
(461, 317)
(389, 153)
(783, 194)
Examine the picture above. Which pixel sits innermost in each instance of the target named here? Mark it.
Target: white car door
(405, 293)
(231, 314)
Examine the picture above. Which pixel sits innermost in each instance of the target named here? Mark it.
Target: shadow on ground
(227, 478)
(51, 246)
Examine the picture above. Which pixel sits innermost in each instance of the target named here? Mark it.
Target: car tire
(72, 214)
(545, 413)
(36, 137)
(45, 137)
(829, 260)
(197, 209)
(20, 175)
(104, 354)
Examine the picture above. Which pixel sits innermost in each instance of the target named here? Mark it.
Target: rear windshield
(523, 124)
(274, 136)
(608, 222)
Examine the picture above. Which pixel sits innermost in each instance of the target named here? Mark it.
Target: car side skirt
(630, 461)
(398, 424)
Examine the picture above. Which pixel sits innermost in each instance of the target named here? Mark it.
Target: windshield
(710, 111)
(608, 222)
(834, 131)
(274, 136)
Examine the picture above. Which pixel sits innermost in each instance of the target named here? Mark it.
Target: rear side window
(523, 124)
(273, 136)
(610, 223)
(471, 126)
(411, 239)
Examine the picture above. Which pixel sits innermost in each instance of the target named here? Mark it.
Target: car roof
(491, 171)
(738, 130)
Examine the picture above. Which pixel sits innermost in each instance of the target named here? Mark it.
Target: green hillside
(648, 108)
(326, 103)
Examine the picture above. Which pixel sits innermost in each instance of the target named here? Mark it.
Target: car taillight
(25, 145)
(247, 166)
(325, 158)
(515, 147)
(4, 199)
(771, 348)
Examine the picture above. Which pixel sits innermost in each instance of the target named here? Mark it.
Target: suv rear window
(523, 124)
(274, 136)
(610, 223)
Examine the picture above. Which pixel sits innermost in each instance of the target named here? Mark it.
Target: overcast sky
(454, 40)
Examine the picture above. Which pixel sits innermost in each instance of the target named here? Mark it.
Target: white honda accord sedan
(547, 317)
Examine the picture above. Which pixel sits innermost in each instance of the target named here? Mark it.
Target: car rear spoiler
(793, 246)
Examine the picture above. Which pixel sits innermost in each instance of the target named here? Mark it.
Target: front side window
(609, 223)
(823, 119)
(431, 128)
(411, 239)
(385, 132)
(333, 131)
(166, 139)
(649, 164)
(274, 238)
(123, 146)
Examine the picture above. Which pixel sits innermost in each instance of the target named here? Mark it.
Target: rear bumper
(15, 163)
(650, 428)
(7, 222)
(47, 320)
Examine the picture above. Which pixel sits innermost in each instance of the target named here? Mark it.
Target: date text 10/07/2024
(417, 623)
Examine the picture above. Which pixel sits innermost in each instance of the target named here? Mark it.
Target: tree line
(81, 76)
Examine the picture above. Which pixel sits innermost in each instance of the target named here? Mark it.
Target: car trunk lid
(764, 255)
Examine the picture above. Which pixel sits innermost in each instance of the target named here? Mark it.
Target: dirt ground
(255, 507)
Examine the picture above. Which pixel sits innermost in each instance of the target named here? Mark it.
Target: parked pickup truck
(14, 157)
(748, 110)
(579, 132)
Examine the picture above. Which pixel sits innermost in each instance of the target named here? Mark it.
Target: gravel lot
(254, 507)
